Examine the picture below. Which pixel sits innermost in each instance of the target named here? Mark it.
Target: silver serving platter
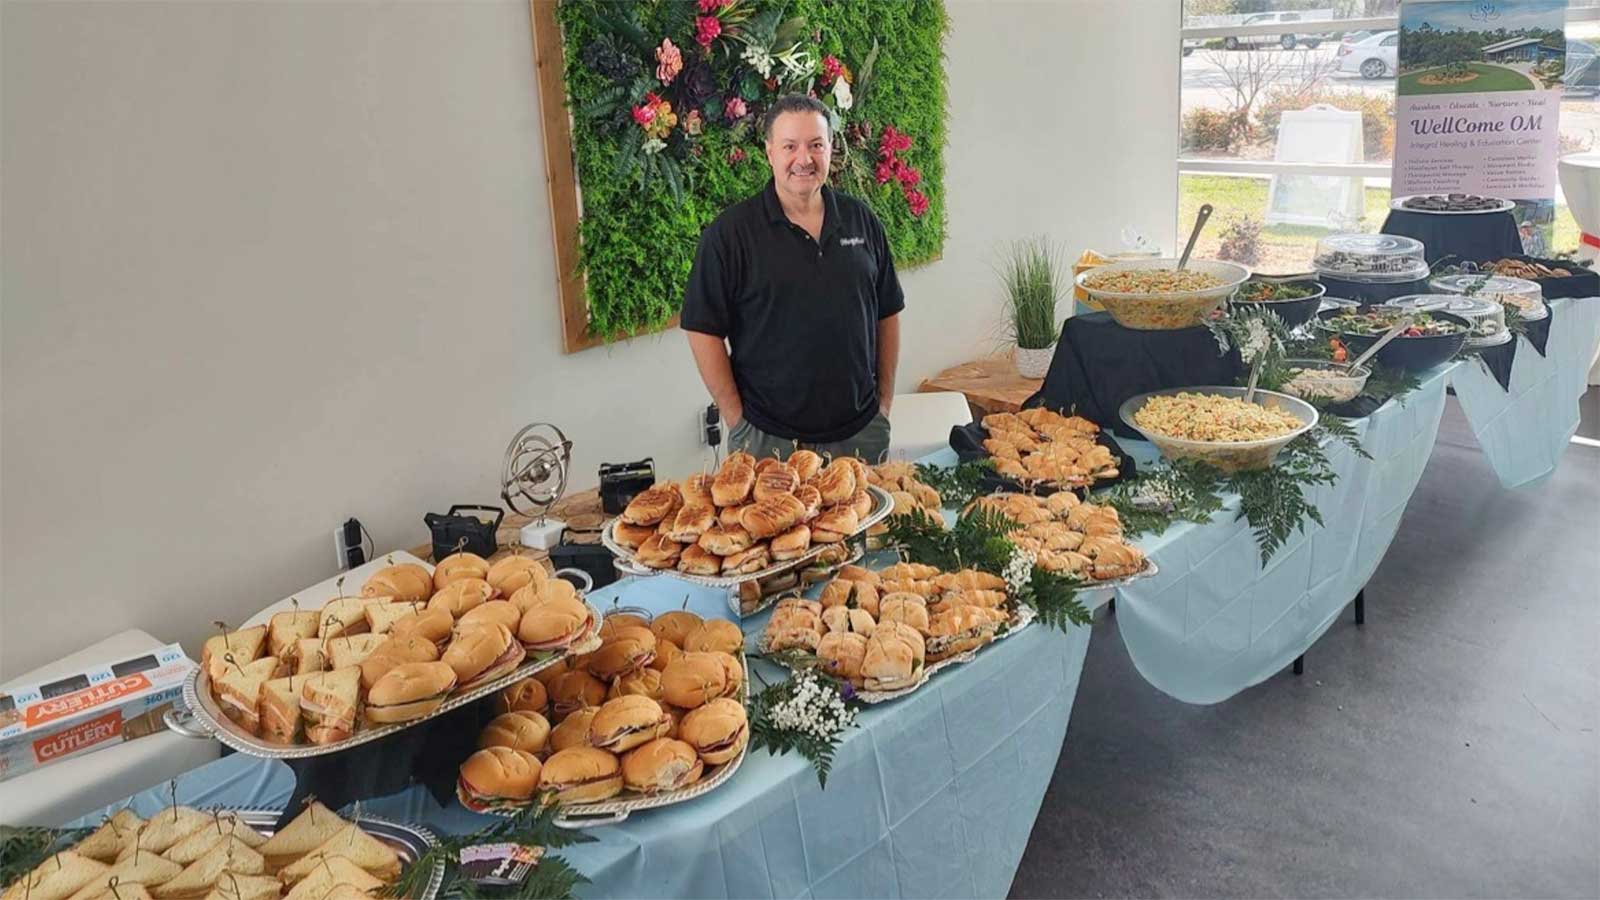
(618, 808)
(882, 506)
(409, 842)
(1398, 203)
(206, 719)
(1503, 336)
(1022, 618)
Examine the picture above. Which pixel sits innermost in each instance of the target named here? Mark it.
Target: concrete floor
(1448, 748)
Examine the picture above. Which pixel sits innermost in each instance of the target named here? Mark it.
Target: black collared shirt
(800, 315)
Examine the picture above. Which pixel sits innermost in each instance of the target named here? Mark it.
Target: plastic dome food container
(1488, 318)
(1371, 258)
(1324, 380)
(1150, 309)
(1229, 456)
(1527, 297)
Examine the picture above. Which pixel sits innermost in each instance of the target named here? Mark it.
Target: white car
(1372, 57)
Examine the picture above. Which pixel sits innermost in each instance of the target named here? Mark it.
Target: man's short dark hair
(790, 103)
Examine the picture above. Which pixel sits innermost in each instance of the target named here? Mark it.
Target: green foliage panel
(643, 210)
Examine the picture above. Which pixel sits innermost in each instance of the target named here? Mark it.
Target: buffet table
(933, 795)
(1524, 430)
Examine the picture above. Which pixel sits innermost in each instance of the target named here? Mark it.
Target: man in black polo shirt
(799, 282)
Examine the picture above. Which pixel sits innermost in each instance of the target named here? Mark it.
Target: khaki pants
(870, 443)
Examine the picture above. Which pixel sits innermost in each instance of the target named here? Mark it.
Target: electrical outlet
(709, 422)
(347, 546)
(340, 560)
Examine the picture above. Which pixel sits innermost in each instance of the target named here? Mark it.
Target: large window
(1304, 90)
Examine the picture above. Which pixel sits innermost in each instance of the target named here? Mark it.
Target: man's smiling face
(799, 149)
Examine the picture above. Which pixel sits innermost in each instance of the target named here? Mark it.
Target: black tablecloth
(1480, 237)
(429, 754)
(1539, 333)
(1499, 360)
(1098, 364)
(1581, 283)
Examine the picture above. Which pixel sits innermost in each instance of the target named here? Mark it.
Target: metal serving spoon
(1391, 334)
(1199, 223)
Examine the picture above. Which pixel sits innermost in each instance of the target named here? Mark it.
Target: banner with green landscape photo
(1477, 104)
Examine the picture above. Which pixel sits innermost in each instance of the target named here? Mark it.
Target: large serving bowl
(1294, 311)
(1414, 354)
(1165, 311)
(1229, 456)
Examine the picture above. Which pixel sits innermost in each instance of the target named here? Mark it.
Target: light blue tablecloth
(934, 795)
(1524, 430)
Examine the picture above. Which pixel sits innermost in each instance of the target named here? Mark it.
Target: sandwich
(631, 536)
(695, 560)
(675, 626)
(554, 623)
(196, 880)
(107, 841)
(627, 649)
(142, 868)
(166, 828)
(663, 764)
(841, 654)
(574, 730)
(495, 612)
(350, 650)
(582, 775)
(732, 673)
(839, 618)
(729, 516)
(409, 691)
(524, 730)
(659, 552)
(811, 499)
(543, 592)
(480, 655)
(791, 544)
(627, 722)
(396, 651)
(693, 680)
(696, 490)
(834, 524)
(239, 691)
(245, 645)
(351, 842)
(329, 702)
(857, 573)
(773, 480)
(970, 580)
(666, 652)
(733, 483)
(403, 582)
(725, 540)
(805, 463)
(894, 658)
(309, 656)
(196, 845)
(715, 634)
(498, 778)
(510, 574)
(616, 621)
(462, 596)
(382, 616)
(280, 711)
(434, 625)
(528, 694)
(717, 731)
(233, 886)
(851, 595)
(962, 628)
(574, 690)
(908, 609)
(650, 506)
(457, 566)
(335, 874)
(304, 833)
(690, 522)
(58, 877)
(747, 562)
(772, 516)
(644, 682)
(346, 615)
(286, 629)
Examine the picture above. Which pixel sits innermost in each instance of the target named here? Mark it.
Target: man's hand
(716, 370)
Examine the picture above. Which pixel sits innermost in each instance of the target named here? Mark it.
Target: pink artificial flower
(917, 202)
(693, 123)
(669, 61)
(910, 176)
(706, 29)
(885, 172)
(711, 6)
(831, 67)
(736, 155)
(645, 114)
(735, 109)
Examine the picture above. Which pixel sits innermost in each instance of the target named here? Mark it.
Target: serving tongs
(1394, 332)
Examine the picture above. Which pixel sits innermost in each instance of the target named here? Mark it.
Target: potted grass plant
(1031, 273)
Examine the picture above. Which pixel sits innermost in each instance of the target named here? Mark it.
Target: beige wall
(270, 265)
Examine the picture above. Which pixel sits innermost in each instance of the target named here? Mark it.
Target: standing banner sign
(1477, 102)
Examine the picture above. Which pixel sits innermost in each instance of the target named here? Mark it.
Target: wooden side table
(990, 385)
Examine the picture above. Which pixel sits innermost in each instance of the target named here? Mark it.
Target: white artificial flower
(1019, 570)
(654, 145)
(842, 97)
(759, 59)
(797, 63)
(1255, 339)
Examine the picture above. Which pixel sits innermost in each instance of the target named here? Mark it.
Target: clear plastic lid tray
(1371, 258)
(1487, 315)
(1527, 296)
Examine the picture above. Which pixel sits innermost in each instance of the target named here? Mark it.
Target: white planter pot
(1032, 363)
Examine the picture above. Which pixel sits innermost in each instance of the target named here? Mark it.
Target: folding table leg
(1300, 664)
(1111, 607)
(1361, 607)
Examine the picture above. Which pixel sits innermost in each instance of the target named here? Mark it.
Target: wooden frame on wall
(561, 180)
